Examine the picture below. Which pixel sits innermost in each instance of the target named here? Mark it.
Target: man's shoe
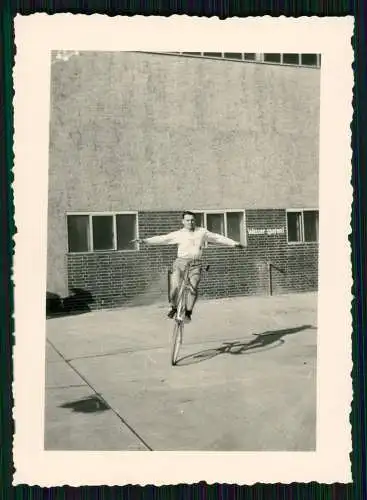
(188, 316)
(172, 312)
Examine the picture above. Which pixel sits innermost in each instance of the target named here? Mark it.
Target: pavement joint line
(122, 420)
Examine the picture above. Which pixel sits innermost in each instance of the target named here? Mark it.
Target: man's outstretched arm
(162, 239)
(222, 240)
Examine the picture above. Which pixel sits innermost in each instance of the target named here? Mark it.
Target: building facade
(136, 138)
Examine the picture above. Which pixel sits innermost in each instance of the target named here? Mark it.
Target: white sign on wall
(268, 231)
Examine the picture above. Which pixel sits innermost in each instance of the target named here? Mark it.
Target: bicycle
(179, 318)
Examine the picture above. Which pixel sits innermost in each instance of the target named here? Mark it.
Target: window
(126, 230)
(311, 225)
(249, 56)
(294, 226)
(291, 59)
(234, 225)
(78, 233)
(215, 223)
(233, 55)
(228, 223)
(274, 58)
(212, 54)
(199, 218)
(309, 59)
(303, 226)
(101, 232)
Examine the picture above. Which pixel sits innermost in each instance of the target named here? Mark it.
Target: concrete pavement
(246, 380)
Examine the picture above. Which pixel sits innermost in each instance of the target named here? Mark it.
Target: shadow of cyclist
(266, 340)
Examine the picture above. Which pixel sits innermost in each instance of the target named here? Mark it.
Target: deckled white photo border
(35, 37)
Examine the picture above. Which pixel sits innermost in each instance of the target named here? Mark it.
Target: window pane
(233, 55)
(192, 53)
(311, 223)
(126, 231)
(234, 223)
(215, 223)
(213, 54)
(102, 232)
(291, 58)
(78, 233)
(249, 56)
(309, 59)
(294, 226)
(272, 58)
(199, 218)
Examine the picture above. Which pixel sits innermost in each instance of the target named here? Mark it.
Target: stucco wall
(155, 132)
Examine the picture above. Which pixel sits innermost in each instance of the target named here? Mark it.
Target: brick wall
(140, 277)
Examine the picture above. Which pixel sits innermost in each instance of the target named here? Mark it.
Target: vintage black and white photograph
(182, 260)
(182, 268)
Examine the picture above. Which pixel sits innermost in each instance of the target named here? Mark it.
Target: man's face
(189, 222)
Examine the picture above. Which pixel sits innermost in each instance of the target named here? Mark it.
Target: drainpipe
(169, 284)
(270, 277)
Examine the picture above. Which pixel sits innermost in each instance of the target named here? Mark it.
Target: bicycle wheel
(176, 341)
(179, 321)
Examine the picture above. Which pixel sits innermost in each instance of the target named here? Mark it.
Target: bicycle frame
(181, 296)
(178, 329)
(179, 318)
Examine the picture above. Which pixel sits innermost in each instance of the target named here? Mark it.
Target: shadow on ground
(92, 404)
(78, 302)
(262, 341)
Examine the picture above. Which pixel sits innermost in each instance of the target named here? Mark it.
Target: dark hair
(187, 212)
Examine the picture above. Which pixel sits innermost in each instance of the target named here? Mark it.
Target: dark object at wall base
(78, 302)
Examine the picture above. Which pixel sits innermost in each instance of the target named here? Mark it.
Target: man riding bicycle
(190, 240)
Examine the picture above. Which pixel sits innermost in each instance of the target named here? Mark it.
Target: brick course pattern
(140, 277)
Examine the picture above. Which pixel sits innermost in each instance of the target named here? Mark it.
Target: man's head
(188, 220)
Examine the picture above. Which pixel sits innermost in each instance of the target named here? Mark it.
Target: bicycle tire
(176, 341)
(178, 328)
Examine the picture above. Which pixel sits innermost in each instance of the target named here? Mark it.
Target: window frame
(301, 211)
(114, 230)
(243, 232)
(259, 58)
